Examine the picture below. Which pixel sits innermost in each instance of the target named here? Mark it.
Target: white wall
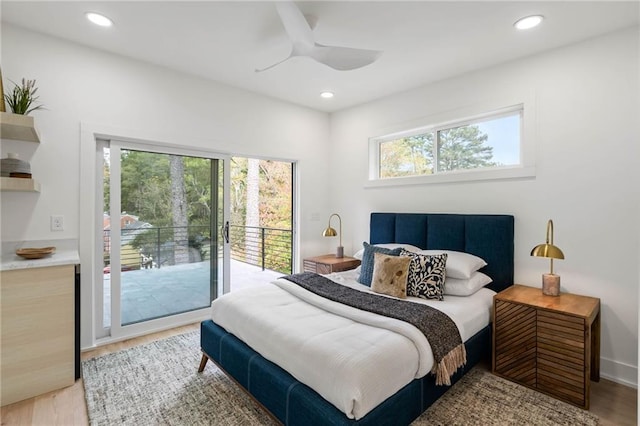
(82, 85)
(587, 179)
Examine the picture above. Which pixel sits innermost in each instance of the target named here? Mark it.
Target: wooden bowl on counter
(35, 253)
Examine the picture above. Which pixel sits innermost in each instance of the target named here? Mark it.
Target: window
(486, 143)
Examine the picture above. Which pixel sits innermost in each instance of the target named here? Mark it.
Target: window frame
(461, 118)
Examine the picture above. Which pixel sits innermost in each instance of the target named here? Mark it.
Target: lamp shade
(547, 250)
(329, 232)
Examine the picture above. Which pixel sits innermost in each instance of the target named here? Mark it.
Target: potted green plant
(22, 98)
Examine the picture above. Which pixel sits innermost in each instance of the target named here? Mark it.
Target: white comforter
(352, 358)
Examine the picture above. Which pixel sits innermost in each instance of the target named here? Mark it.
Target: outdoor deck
(154, 293)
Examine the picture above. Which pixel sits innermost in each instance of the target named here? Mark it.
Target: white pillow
(390, 246)
(460, 265)
(456, 287)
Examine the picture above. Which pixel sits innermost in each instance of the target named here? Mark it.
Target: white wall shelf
(19, 184)
(18, 127)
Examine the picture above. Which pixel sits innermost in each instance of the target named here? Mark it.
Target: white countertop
(66, 254)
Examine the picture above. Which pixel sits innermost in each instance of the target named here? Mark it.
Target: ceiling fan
(303, 43)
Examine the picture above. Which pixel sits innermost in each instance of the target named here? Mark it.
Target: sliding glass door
(164, 250)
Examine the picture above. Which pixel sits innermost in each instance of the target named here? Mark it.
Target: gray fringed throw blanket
(440, 330)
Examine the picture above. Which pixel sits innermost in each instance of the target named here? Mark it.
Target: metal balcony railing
(269, 248)
(155, 247)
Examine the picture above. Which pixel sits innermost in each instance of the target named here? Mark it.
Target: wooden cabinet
(548, 343)
(20, 128)
(329, 263)
(38, 331)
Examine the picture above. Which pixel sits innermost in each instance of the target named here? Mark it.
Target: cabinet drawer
(309, 266)
(561, 356)
(515, 342)
(321, 268)
(563, 382)
(328, 264)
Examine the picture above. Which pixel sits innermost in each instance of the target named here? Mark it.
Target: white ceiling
(422, 41)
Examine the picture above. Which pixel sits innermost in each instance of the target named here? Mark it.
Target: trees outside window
(490, 142)
(261, 212)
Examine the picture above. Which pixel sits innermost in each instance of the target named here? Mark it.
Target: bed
(293, 403)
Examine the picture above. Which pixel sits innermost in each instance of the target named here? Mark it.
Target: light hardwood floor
(614, 404)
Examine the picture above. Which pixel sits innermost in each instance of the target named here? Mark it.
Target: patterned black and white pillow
(426, 275)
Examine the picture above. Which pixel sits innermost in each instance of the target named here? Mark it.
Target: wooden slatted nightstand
(329, 263)
(548, 343)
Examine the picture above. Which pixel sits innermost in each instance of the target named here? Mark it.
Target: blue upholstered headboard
(487, 236)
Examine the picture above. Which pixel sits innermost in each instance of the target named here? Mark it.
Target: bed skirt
(294, 403)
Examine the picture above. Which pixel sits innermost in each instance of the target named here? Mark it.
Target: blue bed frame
(293, 403)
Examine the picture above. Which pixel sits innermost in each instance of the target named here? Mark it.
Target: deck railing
(155, 247)
(269, 248)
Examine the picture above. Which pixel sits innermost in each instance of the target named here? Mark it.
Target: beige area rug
(480, 398)
(158, 384)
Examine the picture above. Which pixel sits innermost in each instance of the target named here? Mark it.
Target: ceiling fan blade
(295, 25)
(277, 63)
(312, 20)
(344, 58)
(300, 30)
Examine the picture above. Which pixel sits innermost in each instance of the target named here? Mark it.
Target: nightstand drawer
(561, 356)
(309, 266)
(325, 269)
(515, 345)
(329, 263)
(320, 268)
(561, 381)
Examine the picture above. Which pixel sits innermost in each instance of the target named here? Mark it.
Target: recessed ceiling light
(98, 19)
(327, 95)
(528, 22)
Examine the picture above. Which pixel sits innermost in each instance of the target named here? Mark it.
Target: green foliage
(276, 206)
(21, 99)
(145, 187)
(106, 181)
(462, 148)
(275, 193)
(410, 156)
(238, 188)
(146, 193)
(459, 148)
(197, 181)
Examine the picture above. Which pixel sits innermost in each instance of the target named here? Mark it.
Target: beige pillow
(390, 275)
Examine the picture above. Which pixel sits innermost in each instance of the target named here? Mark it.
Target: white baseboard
(619, 372)
(192, 317)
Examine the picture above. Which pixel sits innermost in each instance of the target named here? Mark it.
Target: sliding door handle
(225, 232)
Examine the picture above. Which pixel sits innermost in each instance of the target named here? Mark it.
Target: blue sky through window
(504, 137)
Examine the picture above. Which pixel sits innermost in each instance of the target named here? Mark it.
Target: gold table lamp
(550, 281)
(330, 232)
